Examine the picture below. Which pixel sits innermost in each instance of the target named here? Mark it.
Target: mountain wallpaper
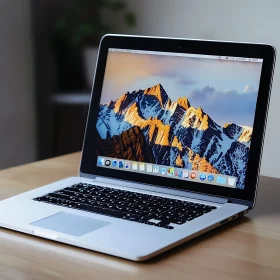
(147, 125)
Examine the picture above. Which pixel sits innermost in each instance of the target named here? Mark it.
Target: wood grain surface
(248, 248)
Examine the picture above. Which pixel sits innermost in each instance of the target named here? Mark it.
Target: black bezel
(248, 50)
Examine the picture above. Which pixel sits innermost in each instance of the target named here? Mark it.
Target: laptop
(172, 148)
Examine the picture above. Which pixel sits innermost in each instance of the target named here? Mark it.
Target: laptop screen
(183, 116)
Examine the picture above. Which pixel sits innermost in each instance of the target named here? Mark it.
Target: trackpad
(71, 224)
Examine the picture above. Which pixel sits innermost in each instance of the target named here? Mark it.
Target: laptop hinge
(158, 189)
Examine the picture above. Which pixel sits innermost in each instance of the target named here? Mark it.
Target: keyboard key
(57, 195)
(132, 217)
(163, 224)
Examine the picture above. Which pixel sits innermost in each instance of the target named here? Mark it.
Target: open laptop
(172, 148)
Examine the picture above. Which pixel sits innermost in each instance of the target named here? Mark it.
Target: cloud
(178, 77)
(248, 88)
(186, 81)
(203, 93)
(225, 106)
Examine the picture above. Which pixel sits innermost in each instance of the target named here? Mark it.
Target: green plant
(83, 23)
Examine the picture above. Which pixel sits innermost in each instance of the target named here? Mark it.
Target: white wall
(240, 20)
(17, 118)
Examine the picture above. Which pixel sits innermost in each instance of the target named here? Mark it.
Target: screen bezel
(247, 50)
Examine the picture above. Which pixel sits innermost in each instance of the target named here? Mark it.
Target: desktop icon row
(171, 171)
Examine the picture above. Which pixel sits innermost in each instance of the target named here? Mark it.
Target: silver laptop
(172, 148)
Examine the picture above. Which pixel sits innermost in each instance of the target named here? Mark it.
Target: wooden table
(248, 248)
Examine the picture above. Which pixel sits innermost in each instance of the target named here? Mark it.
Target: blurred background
(48, 50)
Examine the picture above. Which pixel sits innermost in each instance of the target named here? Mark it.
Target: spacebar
(99, 210)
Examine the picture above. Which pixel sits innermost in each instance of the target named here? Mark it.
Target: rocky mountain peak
(159, 92)
(242, 134)
(197, 118)
(184, 102)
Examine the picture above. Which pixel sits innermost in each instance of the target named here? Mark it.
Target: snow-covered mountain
(177, 133)
(242, 134)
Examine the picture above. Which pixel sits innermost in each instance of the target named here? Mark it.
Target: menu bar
(232, 58)
(167, 171)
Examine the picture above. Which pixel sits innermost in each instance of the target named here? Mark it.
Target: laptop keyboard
(142, 208)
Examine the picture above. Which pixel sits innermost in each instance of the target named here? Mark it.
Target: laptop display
(182, 116)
